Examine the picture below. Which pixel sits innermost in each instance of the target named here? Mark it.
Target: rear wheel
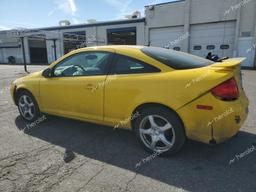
(28, 106)
(160, 130)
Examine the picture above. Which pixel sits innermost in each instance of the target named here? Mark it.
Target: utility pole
(23, 53)
(54, 47)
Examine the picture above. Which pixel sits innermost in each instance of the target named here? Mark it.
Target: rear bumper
(224, 129)
(216, 125)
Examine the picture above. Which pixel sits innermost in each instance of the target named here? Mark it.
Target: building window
(122, 36)
(176, 48)
(74, 40)
(224, 46)
(197, 47)
(246, 34)
(210, 47)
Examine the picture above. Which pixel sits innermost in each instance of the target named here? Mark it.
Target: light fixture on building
(151, 7)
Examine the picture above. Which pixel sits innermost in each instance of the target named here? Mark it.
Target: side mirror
(47, 73)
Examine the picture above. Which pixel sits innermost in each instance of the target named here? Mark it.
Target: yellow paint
(116, 100)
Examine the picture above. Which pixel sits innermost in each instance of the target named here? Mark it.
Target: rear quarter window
(176, 59)
(128, 65)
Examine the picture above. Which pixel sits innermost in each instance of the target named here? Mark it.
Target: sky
(44, 13)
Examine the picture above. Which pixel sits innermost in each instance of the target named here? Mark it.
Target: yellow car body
(112, 99)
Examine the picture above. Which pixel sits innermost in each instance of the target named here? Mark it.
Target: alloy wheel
(27, 107)
(157, 133)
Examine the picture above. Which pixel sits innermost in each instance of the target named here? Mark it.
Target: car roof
(111, 48)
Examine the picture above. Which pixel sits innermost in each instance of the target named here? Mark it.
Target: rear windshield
(176, 59)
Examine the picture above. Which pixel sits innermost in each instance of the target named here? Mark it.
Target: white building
(44, 45)
(223, 27)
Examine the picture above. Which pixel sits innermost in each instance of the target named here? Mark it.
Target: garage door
(166, 37)
(217, 38)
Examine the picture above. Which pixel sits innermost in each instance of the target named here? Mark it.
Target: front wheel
(160, 130)
(28, 106)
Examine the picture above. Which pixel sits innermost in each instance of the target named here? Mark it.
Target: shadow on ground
(198, 167)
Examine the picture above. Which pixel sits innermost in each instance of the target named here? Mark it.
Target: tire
(28, 107)
(159, 130)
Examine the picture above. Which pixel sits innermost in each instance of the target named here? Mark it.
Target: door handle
(90, 86)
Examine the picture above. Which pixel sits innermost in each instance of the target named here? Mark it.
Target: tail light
(227, 90)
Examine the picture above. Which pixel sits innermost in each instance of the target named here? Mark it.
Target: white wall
(6, 52)
(7, 39)
(171, 14)
(246, 48)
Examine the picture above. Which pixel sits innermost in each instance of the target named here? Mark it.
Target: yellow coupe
(164, 96)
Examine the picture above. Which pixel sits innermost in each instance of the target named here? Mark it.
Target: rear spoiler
(229, 63)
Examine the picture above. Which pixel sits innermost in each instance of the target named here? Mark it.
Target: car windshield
(176, 59)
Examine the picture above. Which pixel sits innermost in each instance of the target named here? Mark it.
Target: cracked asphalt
(106, 158)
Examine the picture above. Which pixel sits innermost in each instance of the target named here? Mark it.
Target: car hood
(30, 76)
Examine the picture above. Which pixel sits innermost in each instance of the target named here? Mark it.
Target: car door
(75, 88)
(128, 79)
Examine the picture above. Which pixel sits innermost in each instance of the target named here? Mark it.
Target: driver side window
(82, 64)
